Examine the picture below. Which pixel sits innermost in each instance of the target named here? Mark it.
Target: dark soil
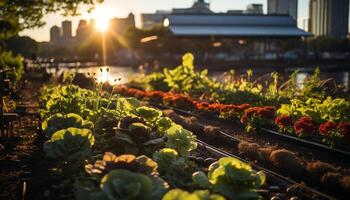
(21, 153)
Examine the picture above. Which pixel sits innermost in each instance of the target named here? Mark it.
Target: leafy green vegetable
(150, 114)
(163, 124)
(122, 184)
(180, 139)
(232, 178)
(178, 194)
(59, 121)
(69, 145)
(174, 169)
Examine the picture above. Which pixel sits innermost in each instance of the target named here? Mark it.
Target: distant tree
(23, 45)
(17, 15)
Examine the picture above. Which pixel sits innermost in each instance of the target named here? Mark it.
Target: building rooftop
(238, 25)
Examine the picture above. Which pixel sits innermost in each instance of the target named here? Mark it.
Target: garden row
(103, 146)
(307, 112)
(324, 175)
(253, 118)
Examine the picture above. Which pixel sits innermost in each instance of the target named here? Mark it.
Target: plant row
(293, 119)
(104, 146)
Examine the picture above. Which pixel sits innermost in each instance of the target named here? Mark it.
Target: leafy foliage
(125, 185)
(58, 121)
(70, 145)
(178, 194)
(232, 178)
(175, 169)
(19, 15)
(8, 60)
(180, 139)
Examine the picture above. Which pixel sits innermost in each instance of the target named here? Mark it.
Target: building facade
(55, 34)
(82, 31)
(329, 18)
(283, 7)
(254, 9)
(148, 20)
(120, 25)
(66, 30)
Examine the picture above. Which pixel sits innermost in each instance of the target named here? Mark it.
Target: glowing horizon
(120, 8)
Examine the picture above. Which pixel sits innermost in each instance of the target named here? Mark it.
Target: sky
(121, 8)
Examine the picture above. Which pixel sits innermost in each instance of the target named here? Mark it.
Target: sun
(102, 15)
(102, 24)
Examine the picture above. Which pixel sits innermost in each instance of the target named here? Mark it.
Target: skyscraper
(254, 9)
(329, 18)
(66, 30)
(82, 30)
(284, 7)
(55, 34)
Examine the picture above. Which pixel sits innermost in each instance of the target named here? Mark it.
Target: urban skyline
(137, 7)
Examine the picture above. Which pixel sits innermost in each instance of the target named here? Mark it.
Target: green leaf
(201, 179)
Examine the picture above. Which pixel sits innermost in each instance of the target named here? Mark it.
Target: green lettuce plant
(231, 178)
(178, 194)
(174, 169)
(122, 184)
(151, 115)
(60, 121)
(70, 145)
(180, 139)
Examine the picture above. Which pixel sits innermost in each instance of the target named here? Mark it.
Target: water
(115, 74)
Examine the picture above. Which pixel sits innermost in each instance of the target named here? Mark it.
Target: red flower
(344, 129)
(327, 127)
(202, 105)
(284, 121)
(304, 126)
(248, 113)
(266, 112)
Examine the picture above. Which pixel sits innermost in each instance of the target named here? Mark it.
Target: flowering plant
(284, 123)
(304, 126)
(332, 131)
(256, 117)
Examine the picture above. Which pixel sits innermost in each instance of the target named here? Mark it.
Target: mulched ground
(21, 153)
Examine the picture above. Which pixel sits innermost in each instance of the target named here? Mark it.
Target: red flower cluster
(183, 101)
(304, 126)
(326, 128)
(156, 95)
(179, 100)
(130, 92)
(266, 112)
(284, 121)
(343, 128)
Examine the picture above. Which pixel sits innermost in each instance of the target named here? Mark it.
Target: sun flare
(102, 15)
(102, 24)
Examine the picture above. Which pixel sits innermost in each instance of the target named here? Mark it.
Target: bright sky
(121, 8)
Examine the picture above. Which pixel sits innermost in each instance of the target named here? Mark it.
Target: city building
(329, 18)
(283, 7)
(226, 25)
(254, 9)
(82, 31)
(257, 34)
(55, 34)
(198, 7)
(66, 30)
(120, 25)
(148, 20)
